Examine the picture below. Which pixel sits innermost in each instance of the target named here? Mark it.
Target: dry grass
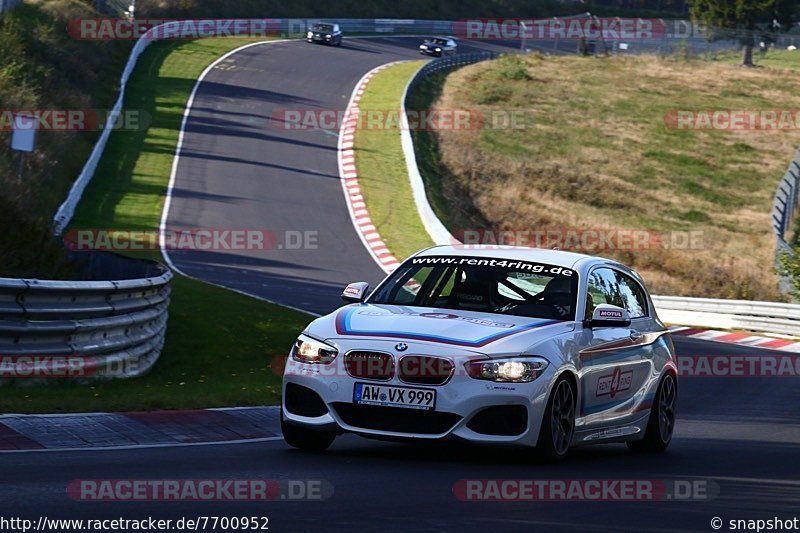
(596, 152)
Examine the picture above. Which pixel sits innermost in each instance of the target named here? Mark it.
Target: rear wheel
(558, 426)
(306, 439)
(661, 423)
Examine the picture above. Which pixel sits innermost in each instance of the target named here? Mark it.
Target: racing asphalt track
(239, 168)
(744, 434)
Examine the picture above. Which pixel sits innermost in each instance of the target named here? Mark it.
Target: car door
(614, 366)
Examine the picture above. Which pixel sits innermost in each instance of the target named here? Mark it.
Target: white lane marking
(174, 173)
(104, 413)
(136, 446)
(144, 446)
(754, 340)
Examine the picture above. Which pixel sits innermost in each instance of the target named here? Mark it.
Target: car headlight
(328, 36)
(512, 370)
(310, 34)
(423, 47)
(308, 350)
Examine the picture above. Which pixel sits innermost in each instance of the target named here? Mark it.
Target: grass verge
(382, 170)
(212, 357)
(598, 152)
(42, 67)
(773, 58)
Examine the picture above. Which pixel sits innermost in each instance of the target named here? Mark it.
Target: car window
(607, 286)
(632, 296)
(490, 285)
(603, 288)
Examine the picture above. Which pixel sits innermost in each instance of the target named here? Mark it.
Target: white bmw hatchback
(496, 345)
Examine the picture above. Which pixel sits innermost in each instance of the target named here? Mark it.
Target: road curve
(237, 170)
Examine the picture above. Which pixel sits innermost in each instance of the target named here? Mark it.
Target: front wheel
(661, 423)
(558, 426)
(306, 439)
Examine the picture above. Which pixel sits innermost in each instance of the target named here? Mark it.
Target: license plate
(386, 395)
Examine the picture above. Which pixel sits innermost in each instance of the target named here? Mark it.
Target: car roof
(516, 253)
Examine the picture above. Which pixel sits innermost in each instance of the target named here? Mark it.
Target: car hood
(467, 330)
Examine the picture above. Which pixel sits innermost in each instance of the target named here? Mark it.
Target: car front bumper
(319, 39)
(457, 414)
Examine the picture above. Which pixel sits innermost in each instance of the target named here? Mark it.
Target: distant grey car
(439, 46)
(496, 345)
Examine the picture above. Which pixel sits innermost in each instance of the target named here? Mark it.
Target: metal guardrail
(768, 317)
(104, 329)
(435, 228)
(451, 62)
(783, 210)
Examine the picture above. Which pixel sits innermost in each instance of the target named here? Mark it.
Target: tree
(746, 18)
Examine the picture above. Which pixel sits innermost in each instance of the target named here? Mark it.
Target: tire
(661, 423)
(558, 425)
(306, 439)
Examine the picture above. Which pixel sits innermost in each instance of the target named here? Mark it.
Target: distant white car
(439, 46)
(496, 345)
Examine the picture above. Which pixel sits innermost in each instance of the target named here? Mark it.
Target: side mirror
(355, 292)
(608, 316)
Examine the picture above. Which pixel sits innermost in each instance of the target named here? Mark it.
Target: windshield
(323, 27)
(437, 40)
(501, 286)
